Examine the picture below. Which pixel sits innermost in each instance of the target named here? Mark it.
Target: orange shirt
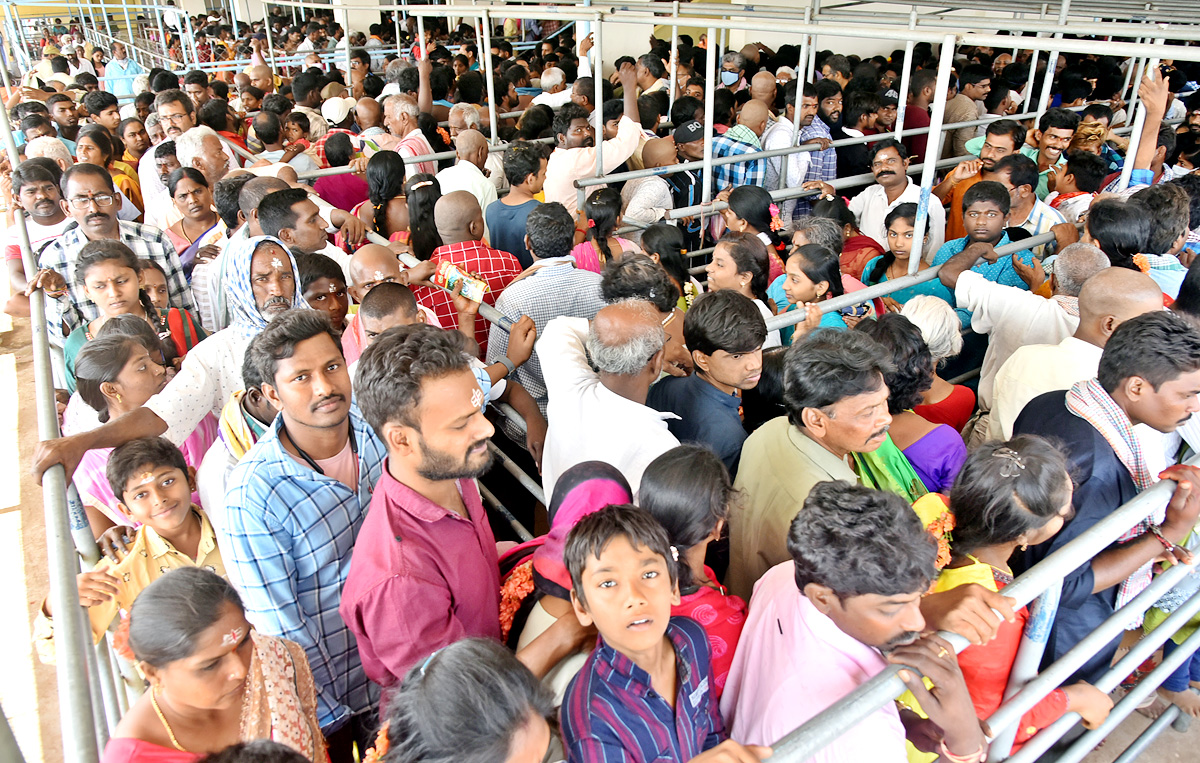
(954, 218)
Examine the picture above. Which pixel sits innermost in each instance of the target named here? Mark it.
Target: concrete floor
(28, 692)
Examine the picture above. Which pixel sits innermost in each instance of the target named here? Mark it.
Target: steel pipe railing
(73, 633)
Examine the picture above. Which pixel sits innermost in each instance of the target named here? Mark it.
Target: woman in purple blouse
(935, 451)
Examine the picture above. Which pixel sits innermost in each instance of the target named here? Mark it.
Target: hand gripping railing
(873, 695)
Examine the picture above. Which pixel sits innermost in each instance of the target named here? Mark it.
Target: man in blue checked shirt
(742, 138)
(291, 517)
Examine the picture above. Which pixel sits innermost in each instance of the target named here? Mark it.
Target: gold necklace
(163, 718)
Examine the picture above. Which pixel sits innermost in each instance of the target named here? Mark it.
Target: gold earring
(118, 397)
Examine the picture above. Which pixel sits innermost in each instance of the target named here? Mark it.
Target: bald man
(469, 173)
(602, 415)
(370, 266)
(763, 89)
(1107, 299)
(368, 115)
(743, 138)
(262, 78)
(459, 220)
(648, 199)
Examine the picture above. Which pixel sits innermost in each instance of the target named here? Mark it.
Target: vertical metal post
(78, 734)
(95, 681)
(598, 80)
(421, 38)
(1052, 61)
(710, 83)
(128, 27)
(187, 17)
(801, 81)
(933, 150)
(1029, 657)
(270, 48)
(673, 63)
(1033, 60)
(162, 40)
(905, 77)
(396, 19)
(1133, 96)
(107, 684)
(489, 74)
(1139, 121)
(9, 750)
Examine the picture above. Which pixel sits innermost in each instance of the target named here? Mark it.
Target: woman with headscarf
(581, 490)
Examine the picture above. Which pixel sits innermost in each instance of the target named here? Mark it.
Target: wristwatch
(512, 368)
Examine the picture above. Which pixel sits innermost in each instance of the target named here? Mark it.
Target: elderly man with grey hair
(1014, 317)
(601, 415)
(733, 71)
(555, 92)
(201, 148)
(400, 113)
(465, 116)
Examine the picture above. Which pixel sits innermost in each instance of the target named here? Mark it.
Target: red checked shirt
(495, 267)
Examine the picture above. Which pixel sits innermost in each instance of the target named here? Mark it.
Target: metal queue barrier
(85, 701)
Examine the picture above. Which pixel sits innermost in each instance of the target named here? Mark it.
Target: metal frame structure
(89, 682)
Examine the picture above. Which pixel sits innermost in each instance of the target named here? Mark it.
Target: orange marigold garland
(1142, 262)
(377, 753)
(940, 529)
(516, 587)
(445, 136)
(120, 640)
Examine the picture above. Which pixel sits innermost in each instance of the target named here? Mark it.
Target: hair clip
(428, 660)
(827, 197)
(591, 223)
(1013, 463)
(674, 554)
(683, 251)
(422, 184)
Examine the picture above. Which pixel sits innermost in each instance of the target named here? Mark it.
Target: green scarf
(886, 468)
(744, 134)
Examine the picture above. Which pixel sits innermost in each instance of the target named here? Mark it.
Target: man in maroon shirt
(425, 571)
(459, 221)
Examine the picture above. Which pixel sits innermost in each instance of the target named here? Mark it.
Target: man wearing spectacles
(91, 200)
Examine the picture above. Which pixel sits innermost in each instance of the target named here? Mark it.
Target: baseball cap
(335, 110)
(889, 97)
(333, 90)
(50, 50)
(689, 131)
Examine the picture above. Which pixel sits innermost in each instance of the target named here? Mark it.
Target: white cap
(335, 110)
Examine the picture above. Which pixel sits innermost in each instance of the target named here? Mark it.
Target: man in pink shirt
(575, 154)
(833, 618)
(424, 571)
(405, 138)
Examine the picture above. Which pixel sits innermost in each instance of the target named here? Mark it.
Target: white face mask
(729, 79)
(1179, 170)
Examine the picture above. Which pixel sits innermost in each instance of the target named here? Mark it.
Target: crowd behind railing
(481, 221)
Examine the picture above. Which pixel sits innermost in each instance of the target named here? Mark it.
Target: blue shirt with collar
(612, 714)
(1001, 271)
(286, 533)
(707, 415)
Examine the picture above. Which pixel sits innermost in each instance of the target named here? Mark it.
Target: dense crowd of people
(280, 400)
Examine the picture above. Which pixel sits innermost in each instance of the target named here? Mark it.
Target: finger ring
(942, 653)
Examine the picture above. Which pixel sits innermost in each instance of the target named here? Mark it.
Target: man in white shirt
(1014, 317)
(575, 155)
(555, 92)
(603, 416)
(893, 187)
(1107, 300)
(788, 171)
(467, 173)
